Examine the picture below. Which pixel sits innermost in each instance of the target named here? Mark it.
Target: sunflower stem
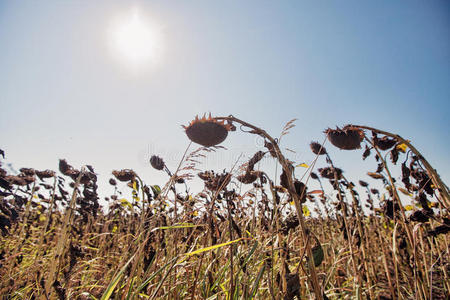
(435, 178)
(292, 192)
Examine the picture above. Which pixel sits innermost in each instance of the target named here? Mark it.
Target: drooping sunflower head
(157, 162)
(207, 131)
(384, 143)
(347, 138)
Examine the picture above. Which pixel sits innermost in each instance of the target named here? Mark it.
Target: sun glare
(135, 41)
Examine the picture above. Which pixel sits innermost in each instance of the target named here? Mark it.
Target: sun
(135, 41)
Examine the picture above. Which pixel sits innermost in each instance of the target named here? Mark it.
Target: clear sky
(65, 92)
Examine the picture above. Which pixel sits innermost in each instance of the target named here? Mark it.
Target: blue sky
(378, 63)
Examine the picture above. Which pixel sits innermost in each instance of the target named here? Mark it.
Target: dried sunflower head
(45, 174)
(290, 222)
(271, 148)
(328, 172)
(215, 182)
(300, 188)
(421, 216)
(390, 208)
(64, 167)
(157, 162)
(317, 148)
(347, 138)
(28, 171)
(28, 179)
(255, 159)
(124, 175)
(249, 177)
(207, 131)
(384, 143)
(16, 180)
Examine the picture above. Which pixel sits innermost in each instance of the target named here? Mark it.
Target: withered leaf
(366, 153)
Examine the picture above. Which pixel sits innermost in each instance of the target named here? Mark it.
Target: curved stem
(298, 206)
(443, 189)
(403, 219)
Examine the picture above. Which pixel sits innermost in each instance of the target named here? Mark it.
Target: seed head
(347, 138)
(207, 131)
(157, 162)
(329, 173)
(384, 143)
(45, 174)
(317, 148)
(248, 177)
(124, 175)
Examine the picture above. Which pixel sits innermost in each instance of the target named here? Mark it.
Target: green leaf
(112, 285)
(250, 254)
(236, 289)
(317, 252)
(306, 211)
(145, 283)
(156, 190)
(257, 280)
(125, 203)
(212, 247)
(129, 289)
(219, 277)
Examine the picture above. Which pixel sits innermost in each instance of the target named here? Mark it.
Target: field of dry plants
(248, 235)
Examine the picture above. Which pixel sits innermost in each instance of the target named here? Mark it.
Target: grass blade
(257, 280)
(212, 247)
(112, 285)
(144, 284)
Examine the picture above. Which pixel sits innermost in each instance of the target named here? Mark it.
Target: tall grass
(219, 243)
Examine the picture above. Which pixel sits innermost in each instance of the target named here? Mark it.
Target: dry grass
(57, 242)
